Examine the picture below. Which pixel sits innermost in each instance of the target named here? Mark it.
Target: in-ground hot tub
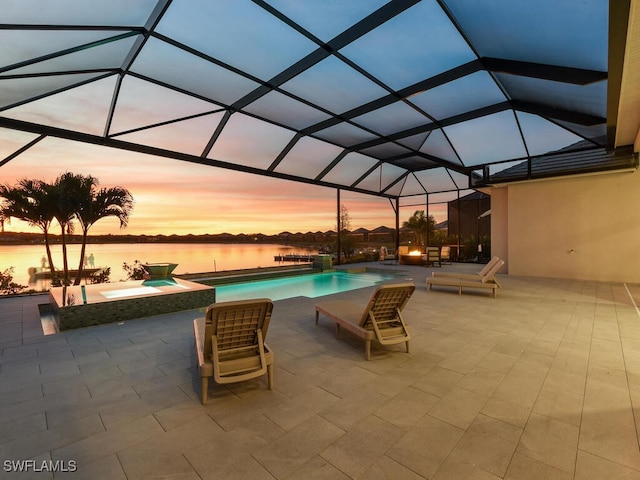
(82, 306)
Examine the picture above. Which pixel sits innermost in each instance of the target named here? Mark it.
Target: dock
(291, 257)
(39, 274)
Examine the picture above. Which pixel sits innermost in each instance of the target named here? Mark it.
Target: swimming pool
(312, 286)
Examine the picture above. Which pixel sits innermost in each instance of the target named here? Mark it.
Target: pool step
(48, 319)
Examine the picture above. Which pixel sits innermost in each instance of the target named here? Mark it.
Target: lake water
(191, 258)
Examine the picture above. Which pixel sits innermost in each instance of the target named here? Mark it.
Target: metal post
(339, 228)
(479, 209)
(458, 220)
(397, 209)
(427, 215)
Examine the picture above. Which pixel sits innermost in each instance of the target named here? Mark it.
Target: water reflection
(191, 258)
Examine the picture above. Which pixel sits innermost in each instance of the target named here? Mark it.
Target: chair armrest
(199, 332)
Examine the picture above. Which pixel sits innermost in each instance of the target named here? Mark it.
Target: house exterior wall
(585, 228)
(500, 225)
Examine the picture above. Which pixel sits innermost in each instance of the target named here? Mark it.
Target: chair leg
(204, 388)
(367, 349)
(270, 376)
(337, 330)
(407, 344)
(317, 313)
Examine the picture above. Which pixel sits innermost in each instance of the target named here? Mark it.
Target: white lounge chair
(471, 276)
(230, 342)
(380, 319)
(486, 281)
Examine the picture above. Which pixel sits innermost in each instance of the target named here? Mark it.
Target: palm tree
(71, 197)
(421, 225)
(65, 196)
(30, 201)
(96, 204)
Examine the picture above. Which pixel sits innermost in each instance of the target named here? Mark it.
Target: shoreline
(298, 239)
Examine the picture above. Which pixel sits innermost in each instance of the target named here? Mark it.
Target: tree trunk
(81, 263)
(65, 260)
(52, 269)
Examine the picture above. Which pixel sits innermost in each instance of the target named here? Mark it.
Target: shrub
(135, 270)
(7, 285)
(101, 276)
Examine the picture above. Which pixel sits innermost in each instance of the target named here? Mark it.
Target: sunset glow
(174, 197)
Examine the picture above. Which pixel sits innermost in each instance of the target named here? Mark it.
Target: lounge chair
(445, 254)
(387, 256)
(486, 281)
(432, 257)
(471, 276)
(230, 342)
(380, 319)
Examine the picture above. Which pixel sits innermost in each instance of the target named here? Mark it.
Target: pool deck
(542, 382)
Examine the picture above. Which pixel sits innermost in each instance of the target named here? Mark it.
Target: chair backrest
(236, 323)
(492, 271)
(433, 253)
(445, 253)
(386, 300)
(488, 266)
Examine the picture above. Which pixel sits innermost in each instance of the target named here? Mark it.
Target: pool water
(312, 286)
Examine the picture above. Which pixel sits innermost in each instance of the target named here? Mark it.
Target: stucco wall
(500, 225)
(583, 227)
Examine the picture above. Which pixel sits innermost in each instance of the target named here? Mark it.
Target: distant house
(382, 235)
(361, 234)
(442, 226)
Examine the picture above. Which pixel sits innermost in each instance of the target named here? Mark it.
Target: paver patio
(541, 382)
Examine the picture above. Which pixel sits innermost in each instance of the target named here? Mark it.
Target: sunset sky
(236, 82)
(179, 197)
